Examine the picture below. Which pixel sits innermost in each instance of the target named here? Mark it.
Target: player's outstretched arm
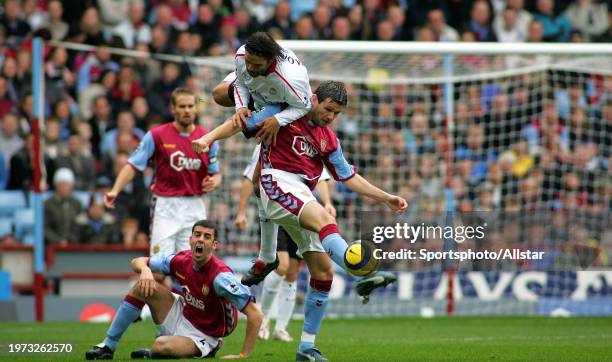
(361, 186)
(226, 130)
(254, 319)
(125, 176)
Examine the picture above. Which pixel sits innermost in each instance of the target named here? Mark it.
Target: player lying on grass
(192, 325)
(290, 169)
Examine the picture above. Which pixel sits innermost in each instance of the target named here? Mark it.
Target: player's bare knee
(282, 269)
(162, 346)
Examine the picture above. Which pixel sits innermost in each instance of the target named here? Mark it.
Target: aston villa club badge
(323, 145)
(205, 290)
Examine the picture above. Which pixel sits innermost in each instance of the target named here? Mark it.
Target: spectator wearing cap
(95, 225)
(281, 19)
(61, 209)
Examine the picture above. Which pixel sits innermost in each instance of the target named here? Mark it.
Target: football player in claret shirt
(191, 326)
(181, 176)
(290, 169)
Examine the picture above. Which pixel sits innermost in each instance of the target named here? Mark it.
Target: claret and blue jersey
(212, 294)
(302, 148)
(179, 170)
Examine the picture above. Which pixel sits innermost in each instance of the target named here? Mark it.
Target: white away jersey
(285, 82)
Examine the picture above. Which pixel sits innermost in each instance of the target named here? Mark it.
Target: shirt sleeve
(258, 116)
(213, 161)
(140, 157)
(228, 287)
(160, 263)
(337, 165)
(297, 96)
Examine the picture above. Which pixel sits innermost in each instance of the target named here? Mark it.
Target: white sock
(269, 292)
(269, 233)
(286, 303)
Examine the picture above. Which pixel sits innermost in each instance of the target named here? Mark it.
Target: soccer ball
(359, 258)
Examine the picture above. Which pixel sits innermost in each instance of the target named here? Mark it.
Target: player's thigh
(305, 240)
(319, 265)
(176, 346)
(283, 196)
(314, 217)
(160, 303)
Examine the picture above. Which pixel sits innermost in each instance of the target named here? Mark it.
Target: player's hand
(396, 203)
(240, 221)
(234, 356)
(239, 119)
(331, 209)
(109, 199)
(211, 182)
(201, 145)
(268, 129)
(146, 283)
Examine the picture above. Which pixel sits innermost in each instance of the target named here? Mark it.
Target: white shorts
(176, 324)
(172, 220)
(283, 196)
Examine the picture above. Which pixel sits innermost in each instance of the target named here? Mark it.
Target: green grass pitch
(369, 339)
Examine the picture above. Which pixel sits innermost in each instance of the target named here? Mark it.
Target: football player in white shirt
(265, 73)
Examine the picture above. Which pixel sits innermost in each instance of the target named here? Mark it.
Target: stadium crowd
(530, 142)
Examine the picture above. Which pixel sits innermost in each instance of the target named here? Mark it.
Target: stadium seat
(24, 225)
(10, 201)
(6, 226)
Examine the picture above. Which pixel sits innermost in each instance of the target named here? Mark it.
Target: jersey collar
(271, 68)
